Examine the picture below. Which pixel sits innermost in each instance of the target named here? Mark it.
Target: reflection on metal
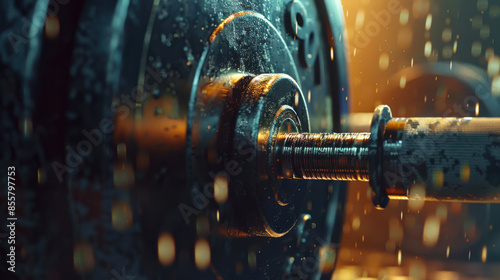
(340, 156)
(415, 157)
(227, 21)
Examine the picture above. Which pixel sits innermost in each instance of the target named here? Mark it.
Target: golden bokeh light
(202, 255)
(166, 249)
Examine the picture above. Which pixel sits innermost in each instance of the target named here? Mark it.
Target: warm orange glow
(383, 67)
(225, 22)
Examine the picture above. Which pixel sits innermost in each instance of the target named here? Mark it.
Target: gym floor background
(412, 240)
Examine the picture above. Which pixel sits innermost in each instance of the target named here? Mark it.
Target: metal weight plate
(123, 150)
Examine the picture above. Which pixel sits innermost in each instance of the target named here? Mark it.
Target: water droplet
(202, 254)
(431, 231)
(383, 61)
(493, 66)
(446, 35)
(495, 85)
(327, 257)
(121, 150)
(166, 249)
(402, 82)
(252, 259)
(428, 22)
(404, 16)
(484, 254)
(356, 222)
(123, 175)
(442, 212)
(477, 22)
(52, 27)
(360, 19)
(484, 32)
(476, 49)
(447, 52)
(482, 5)
(121, 215)
(220, 189)
(83, 257)
(494, 11)
(428, 49)
(416, 197)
